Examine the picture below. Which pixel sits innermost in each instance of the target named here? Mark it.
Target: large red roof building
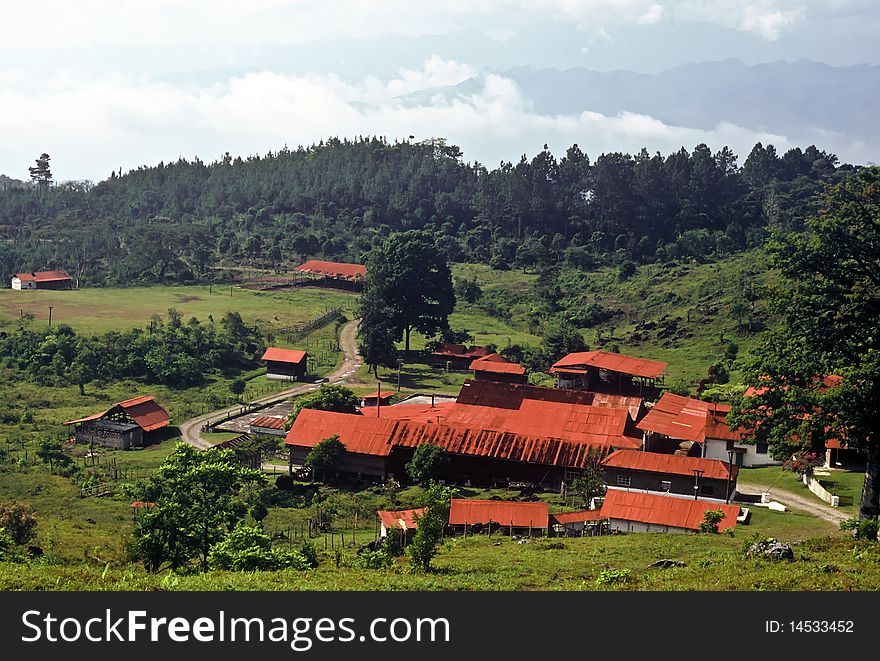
(59, 279)
(124, 425)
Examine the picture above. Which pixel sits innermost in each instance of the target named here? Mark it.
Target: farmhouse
(684, 425)
(516, 517)
(457, 356)
(496, 367)
(631, 511)
(533, 444)
(285, 364)
(42, 280)
(129, 424)
(403, 521)
(335, 274)
(267, 426)
(601, 371)
(669, 473)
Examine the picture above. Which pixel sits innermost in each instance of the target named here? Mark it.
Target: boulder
(770, 549)
(666, 563)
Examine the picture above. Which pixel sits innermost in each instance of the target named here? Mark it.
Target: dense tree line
(338, 199)
(171, 351)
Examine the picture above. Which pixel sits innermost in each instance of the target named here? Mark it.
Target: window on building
(761, 448)
(665, 485)
(624, 480)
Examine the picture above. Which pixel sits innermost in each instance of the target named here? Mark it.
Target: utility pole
(730, 454)
(398, 376)
(50, 316)
(697, 473)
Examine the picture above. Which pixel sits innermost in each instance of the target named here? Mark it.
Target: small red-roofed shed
(285, 364)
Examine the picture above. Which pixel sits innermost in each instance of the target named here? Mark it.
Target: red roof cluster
(579, 362)
(449, 350)
(411, 412)
(685, 418)
(400, 519)
(664, 510)
(44, 276)
(340, 270)
(497, 364)
(268, 422)
(276, 355)
(144, 411)
(511, 395)
(652, 462)
(502, 512)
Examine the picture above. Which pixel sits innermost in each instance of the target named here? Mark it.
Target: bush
(378, 559)
(613, 576)
(19, 522)
(247, 548)
(711, 519)
(862, 528)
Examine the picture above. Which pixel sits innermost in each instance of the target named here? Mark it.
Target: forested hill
(172, 222)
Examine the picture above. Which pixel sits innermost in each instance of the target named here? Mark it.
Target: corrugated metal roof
(385, 394)
(487, 364)
(449, 350)
(268, 422)
(503, 512)
(612, 362)
(414, 412)
(634, 405)
(284, 355)
(680, 417)
(511, 395)
(359, 434)
(44, 276)
(671, 464)
(144, 411)
(581, 516)
(341, 270)
(664, 510)
(401, 519)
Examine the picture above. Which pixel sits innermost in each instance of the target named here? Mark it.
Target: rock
(770, 549)
(523, 541)
(666, 563)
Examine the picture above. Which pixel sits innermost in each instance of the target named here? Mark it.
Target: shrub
(378, 559)
(613, 576)
(862, 528)
(247, 548)
(711, 519)
(19, 522)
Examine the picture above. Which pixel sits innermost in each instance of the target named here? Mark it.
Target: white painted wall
(637, 526)
(18, 285)
(717, 449)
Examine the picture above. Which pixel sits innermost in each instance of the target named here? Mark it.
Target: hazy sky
(104, 84)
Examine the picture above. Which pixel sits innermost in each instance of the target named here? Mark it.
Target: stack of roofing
(688, 419)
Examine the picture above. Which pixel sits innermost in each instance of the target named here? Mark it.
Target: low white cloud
(653, 15)
(90, 128)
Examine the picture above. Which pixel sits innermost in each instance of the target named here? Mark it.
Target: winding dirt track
(191, 430)
(797, 501)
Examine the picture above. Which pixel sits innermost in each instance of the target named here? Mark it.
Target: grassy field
(100, 310)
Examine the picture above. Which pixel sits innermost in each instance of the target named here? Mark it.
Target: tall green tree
(40, 173)
(326, 456)
(409, 275)
(376, 336)
(830, 300)
(199, 498)
(430, 525)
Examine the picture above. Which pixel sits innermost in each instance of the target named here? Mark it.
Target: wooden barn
(496, 367)
(631, 511)
(285, 364)
(129, 424)
(601, 371)
(670, 473)
(399, 522)
(42, 280)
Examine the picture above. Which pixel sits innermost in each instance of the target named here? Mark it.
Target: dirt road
(191, 430)
(797, 501)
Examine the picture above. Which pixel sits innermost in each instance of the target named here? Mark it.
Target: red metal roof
(385, 394)
(268, 422)
(664, 510)
(413, 412)
(449, 350)
(340, 270)
(360, 434)
(634, 405)
(503, 512)
(140, 504)
(680, 417)
(402, 519)
(671, 464)
(488, 364)
(44, 276)
(581, 516)
(144, 411)
(612, 362)
(284, 355)
(511, 395)
(717, 427)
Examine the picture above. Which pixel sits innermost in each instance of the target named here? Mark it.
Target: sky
(107, 84)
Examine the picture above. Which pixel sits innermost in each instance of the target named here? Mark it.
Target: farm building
(511, 396)
(129, 424)
(515, 517)
(403, 521)
(335, 274)
(42, 280)
(496, 367)
(377, 398)
(285, 364)
(268, 425)
(631, 511)
(684, 425)
(601, 371)
(565, 524)
(457, 356)
(534, 444)
(669, 473)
